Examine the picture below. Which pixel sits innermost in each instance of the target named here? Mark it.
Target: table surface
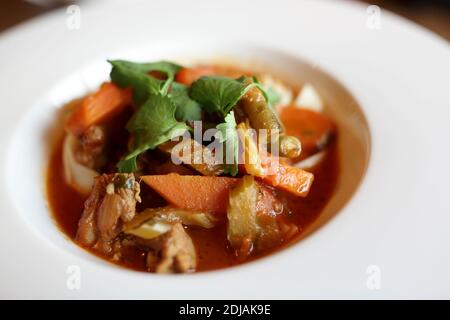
(434, 15)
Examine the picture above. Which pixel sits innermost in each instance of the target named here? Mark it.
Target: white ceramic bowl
(388, 240)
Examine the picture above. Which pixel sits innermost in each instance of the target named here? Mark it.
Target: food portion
(173, 169)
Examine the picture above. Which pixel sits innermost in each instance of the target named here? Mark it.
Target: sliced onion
(311, 161)
(150, 230)
(153, 222)
(80, 177)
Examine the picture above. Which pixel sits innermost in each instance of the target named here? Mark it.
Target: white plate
(390, 241)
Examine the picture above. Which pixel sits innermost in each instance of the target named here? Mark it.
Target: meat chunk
(92, 147)
(93, 139)
(173, 252)
(111, 203)
(195, 155)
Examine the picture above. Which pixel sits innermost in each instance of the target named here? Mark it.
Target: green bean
(289, 146)
(260, 113)
(263, 116)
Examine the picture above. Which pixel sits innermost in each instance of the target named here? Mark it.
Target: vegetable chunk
(188, 75)
(252, 217)
(242, 225)
(196, 193)
(294, 180)
(310, 127)
(271, 169)
(108, 101)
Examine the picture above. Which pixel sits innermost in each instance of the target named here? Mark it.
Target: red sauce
(211, 244)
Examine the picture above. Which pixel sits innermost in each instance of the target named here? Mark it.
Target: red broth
(211, 244)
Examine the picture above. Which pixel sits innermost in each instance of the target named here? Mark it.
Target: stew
(173, 169)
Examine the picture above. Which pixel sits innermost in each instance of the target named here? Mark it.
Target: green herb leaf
(135, 75)
(219, 94)
(169, 68)
(127, 165)
(186, 108)
(229, 136)
(153, 124)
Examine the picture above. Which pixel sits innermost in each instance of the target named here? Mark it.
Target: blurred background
(432, 14)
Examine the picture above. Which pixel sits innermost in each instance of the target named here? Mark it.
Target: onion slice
(311, 161)
(78, 176)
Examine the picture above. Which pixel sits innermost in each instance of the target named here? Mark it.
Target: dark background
(432, 14)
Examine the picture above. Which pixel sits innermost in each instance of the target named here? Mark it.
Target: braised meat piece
(111, 203)
(92, 147)
(175, 252)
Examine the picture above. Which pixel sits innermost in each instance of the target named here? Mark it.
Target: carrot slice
(196, 193)
(108, 101)
(283, 176)
(270, 169)
(311, 128)
(188, 75)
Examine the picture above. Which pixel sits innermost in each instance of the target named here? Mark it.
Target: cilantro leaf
(127, 165)
(135, 75)
(186, 108)
(219, 94)
(229, 136)
(151, 125)
(169, 68)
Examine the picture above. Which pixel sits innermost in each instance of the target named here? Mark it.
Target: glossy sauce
(211, 244)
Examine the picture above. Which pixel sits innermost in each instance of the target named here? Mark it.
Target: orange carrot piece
(286, 177)
(272, 170)
(188, 75)
(108, 101)
(310, 127)
(196, 193)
